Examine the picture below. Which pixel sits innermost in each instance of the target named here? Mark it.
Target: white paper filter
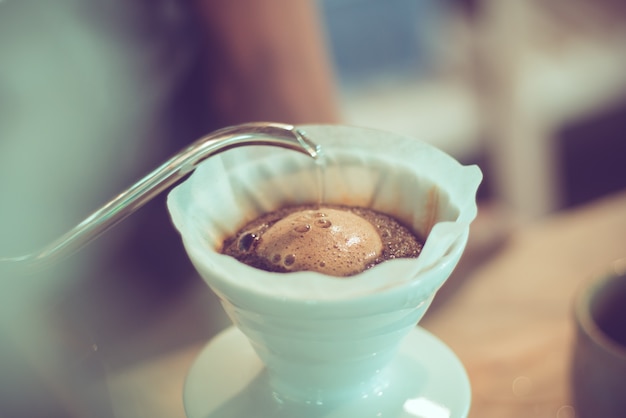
(401, 176)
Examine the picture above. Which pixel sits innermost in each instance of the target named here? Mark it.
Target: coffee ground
(398, 240)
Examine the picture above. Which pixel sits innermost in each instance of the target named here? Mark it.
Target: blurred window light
(369, 38)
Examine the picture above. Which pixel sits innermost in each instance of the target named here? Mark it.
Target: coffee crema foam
(335, 240)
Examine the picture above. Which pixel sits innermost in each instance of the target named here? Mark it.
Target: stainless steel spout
(170, 172)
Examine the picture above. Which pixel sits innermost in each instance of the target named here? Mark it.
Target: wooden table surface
(509, 321)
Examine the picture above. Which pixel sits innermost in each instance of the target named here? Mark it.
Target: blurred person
(94, 95)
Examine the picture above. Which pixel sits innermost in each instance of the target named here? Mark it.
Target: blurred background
(534, 91)
(94, 94)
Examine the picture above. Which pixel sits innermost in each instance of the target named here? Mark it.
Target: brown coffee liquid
(398, 241)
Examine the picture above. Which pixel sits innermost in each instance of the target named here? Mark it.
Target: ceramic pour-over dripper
(325, 339)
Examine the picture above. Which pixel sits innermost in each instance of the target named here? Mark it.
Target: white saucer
(228, 380)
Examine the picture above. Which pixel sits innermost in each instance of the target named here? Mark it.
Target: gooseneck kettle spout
(166, 175)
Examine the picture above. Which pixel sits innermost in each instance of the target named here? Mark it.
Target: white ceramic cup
(324, 338)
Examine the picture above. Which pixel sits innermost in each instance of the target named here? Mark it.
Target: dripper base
(228, 380)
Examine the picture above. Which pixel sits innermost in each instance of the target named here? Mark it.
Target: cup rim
(582, 308)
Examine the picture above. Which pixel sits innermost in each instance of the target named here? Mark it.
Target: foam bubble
(326, 240)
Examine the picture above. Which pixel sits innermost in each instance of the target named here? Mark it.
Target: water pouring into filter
(320, 338)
